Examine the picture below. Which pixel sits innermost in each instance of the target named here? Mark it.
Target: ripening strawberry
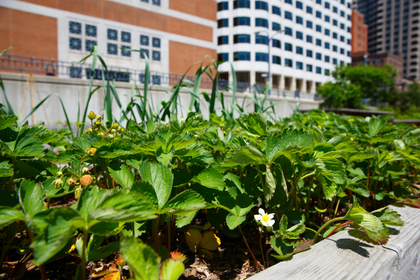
(86, 180)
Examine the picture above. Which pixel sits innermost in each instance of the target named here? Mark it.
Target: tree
(354, 83)
(409, 99)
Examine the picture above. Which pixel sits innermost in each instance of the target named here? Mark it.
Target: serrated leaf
(123, 175)
(142, 259)
(361, 156)
(183, 219)
(194, 121)
(373, 227)
(55, 227)
(103, 252)
(233, 221)
(375, 126)
(210, 241)
(171, 269)
(7, 120)
(290, 141)
(254, 123)
(6, 169)
(160, 178)
(270, 184)
(282, 248)
(10, 215)
(245, 156)
(389, 217)
(210, 178)
(186, 201)
(193, 238)
(30, 197)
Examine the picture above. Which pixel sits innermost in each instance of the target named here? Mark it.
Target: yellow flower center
(265, 218)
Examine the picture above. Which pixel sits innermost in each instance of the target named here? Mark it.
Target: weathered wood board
(343, 256)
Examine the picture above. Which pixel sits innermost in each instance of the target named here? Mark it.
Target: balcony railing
(64, 69)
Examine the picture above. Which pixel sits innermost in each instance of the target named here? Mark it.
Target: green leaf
(360, 189)
(6, 169)
(7, 120)
(141, 258)
(245, 156)
(210, 178)
(183, 219)
(375, 126)
(193, 122)
(54, 229)
(290, 141)
(123, 175)
(239, 207)
(186, 201)
(10, 215)
(233, 221)
(30, 197)
(254, 123)
(270, 184)
(9, 198)
(160, 178)
(165, 158)
(389, 217)
(282, 248)
(373, 227)
(361, 156)
(27, 146)
(171, 269)
(103, 252)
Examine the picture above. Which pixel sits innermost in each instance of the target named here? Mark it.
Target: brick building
(359, 34)
(175, 33)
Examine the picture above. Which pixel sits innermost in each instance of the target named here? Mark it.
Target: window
(299, 5)
(126, 37)
(309, 38)
(348, 42)
(288, 47)
(318, 14)
(319, 42)
(318, 70)
(144, 40)
(335, 61)
(288, 31)
(342, 39)
(241, 38)
(112, 49)
(299, 65)
(116, 42)
(327, 32)
(318, 28)
(276, 10)
(90, 30)
(276, 43)
(223, 40)
(335, 22)
(224, 22)
(318, 56)
(143, 53)
(156, 2)
(319, 2)
(309, 24)
(156, 42)
(156, 55)
(309, 53)
(241, 21)
(342, 26)
(288, 62)
(288, 15)
(335, 35)
(241, 4)
(335, 49)
(276, 26)
(327, 18)
(327, 58)
(241, 56)
(75, 43)
(112, 34)
(327, 45)
(299, 20)
(327, 5)
(335, 10)
(276, 60)
(261, 57)
(261, 22)
(260, 5)
(342, 14)
(223, 56)
(223, 6)
(343, 2)
(77, 36)
(308, 68)
(75, 27)
(261, 39)
(309, 10)
(299, 35)
(299, 50)
(342, 51)
(327, 72)
(288, 2)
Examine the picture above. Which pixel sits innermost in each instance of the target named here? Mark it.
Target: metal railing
(77, 70)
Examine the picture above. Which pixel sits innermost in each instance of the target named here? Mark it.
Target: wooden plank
(345, 256)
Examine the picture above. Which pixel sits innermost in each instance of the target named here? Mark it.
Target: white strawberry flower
(265, 219)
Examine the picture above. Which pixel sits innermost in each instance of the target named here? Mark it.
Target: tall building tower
(359, 35)
(394, 28)
(315, 37)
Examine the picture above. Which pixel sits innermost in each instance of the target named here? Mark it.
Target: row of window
(154, 2)
(261, 39)
(118, 41)
(262, 22)
(246, 56)
(262, 5)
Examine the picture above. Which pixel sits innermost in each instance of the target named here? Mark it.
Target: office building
(315, 38)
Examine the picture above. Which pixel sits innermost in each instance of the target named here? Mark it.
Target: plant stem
(157, 234)
(262, 252)
(168, 233)
(261, 179)
(249, 249)
(44, 276)
(325, 225)
(336, 208)
(309, 197)
(83, 264)
(340, 225)
(295, 185)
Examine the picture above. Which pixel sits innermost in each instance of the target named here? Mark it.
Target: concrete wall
(72, 90)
